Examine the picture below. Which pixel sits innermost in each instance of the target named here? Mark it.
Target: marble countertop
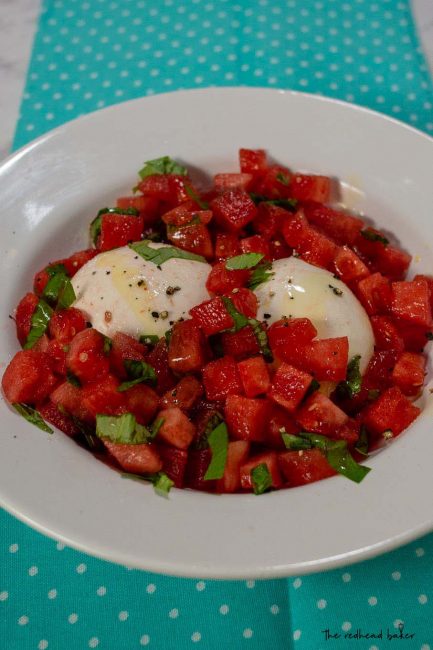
(18, 20)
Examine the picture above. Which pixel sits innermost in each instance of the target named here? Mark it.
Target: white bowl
(50, 189)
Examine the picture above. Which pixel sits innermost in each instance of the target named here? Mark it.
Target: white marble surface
(17, 26)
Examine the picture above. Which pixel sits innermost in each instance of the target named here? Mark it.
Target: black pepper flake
(336, 290)
(159, 267)
(140, 283)
(135, 257)
(171, 322)
(171, 290)
(266, 315)
(107, 272)
(11, 317)
(93, 272)
(155, 314)
(129, 285)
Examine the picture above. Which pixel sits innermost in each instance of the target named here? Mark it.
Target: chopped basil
(167, 335)
(335, 290)
(59, 288)
(261, 478)
(163, 165)
(156, 425)
(240, 320)
(139, 372)
(122, 429)
(353, 382)
(245, 261)
(160, 255)
(108, 344)
(218, 442)
(72, 379)
(362, 443)
(373, 393)
(261, 274)
(95, 229)
(127, 212)
(195, 197)
(31, 415)
(39, 323)
(149, 339)
(162, 484)
(288, 204)
(312, 388)
(374, 236)
(282, 178)
(338, 456)
(293, 442)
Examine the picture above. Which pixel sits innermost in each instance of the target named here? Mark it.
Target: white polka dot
(297, 635)
(72, 618)
(373, 647)
(123, 616)
(200, 586)
(422, 599)
(250, 584)
(52, 594)
(425, 646)
(419, 552)
(43, 644)
(372, 601)
(13, 548)
(396, 575)
(346, 626)
(145, 639)
(398, 623)
(321, 604)
(196, 637)
(33, 571)
(173, 613)
(93, 642)
(297, 582)
(81, 568)
(23, 620)
(101, 591)
(4, 595)
(151, 588)
(247, 633)
(30, 127)
(224, 609)
(274, 609)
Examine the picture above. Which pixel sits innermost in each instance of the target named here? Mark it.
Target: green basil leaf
(108, 344)
(33, 416)
(374, 236)
(121, 429)
(59, 288)
(66, 295)
(163, 165)
(195, 197)
(363, 442)
(160, 255)
(353, 382)
(127, 212)
(39, 323)
(283, 179)
(261, 478)
(218, 442)
(138, 371)
(295, 443)
(312, 388)
(162, 484)
(149, 339)
(245, 261)
(338, 456)
(95, 229)
(288, 204)
(155, 427)
(72, 379)
(260, 275)
(56, 268)
(262, 339)
(239, 319)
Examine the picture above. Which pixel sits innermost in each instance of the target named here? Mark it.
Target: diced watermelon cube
(380, 367)
(320, 415)
(185, 350)
(196, 468)
(69, 398)
(306, 187)
(409, 372)
(237, 454)
(194, 238)
(226, 245)
(147, 206)
(302, 467)
(57, 353)
(295, 229)
(254, 375)
(252, 161)
(176, 429)
(102, 397)
(274, 182)
(392, 411)
(137, 459)
(240, 344)
(221, 378)
(317, 249)
(158, 359)
(233, 210)
(124, 347)
(23, 316)
(279, 421)
(74, 263)
(142, 401)
(256, 244)
(289, 335)
(289, 386)
(246, 418)
(28, 378)
(184, 395)
(222, 281)
(245, 301)
(224, 182)
(348, 266)
(119, 230)
(86, 358)
(341, 227)
(173, 463)
(64, 324)
(414, 336)
(212, 316)
(327, 359)
(270, 219)
(374, 292)
(411, 302)
(50, 413)
(386, 334)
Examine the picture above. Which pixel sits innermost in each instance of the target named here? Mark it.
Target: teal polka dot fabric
(90, 54)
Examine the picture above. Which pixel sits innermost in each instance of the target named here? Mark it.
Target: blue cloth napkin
(92, 54)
